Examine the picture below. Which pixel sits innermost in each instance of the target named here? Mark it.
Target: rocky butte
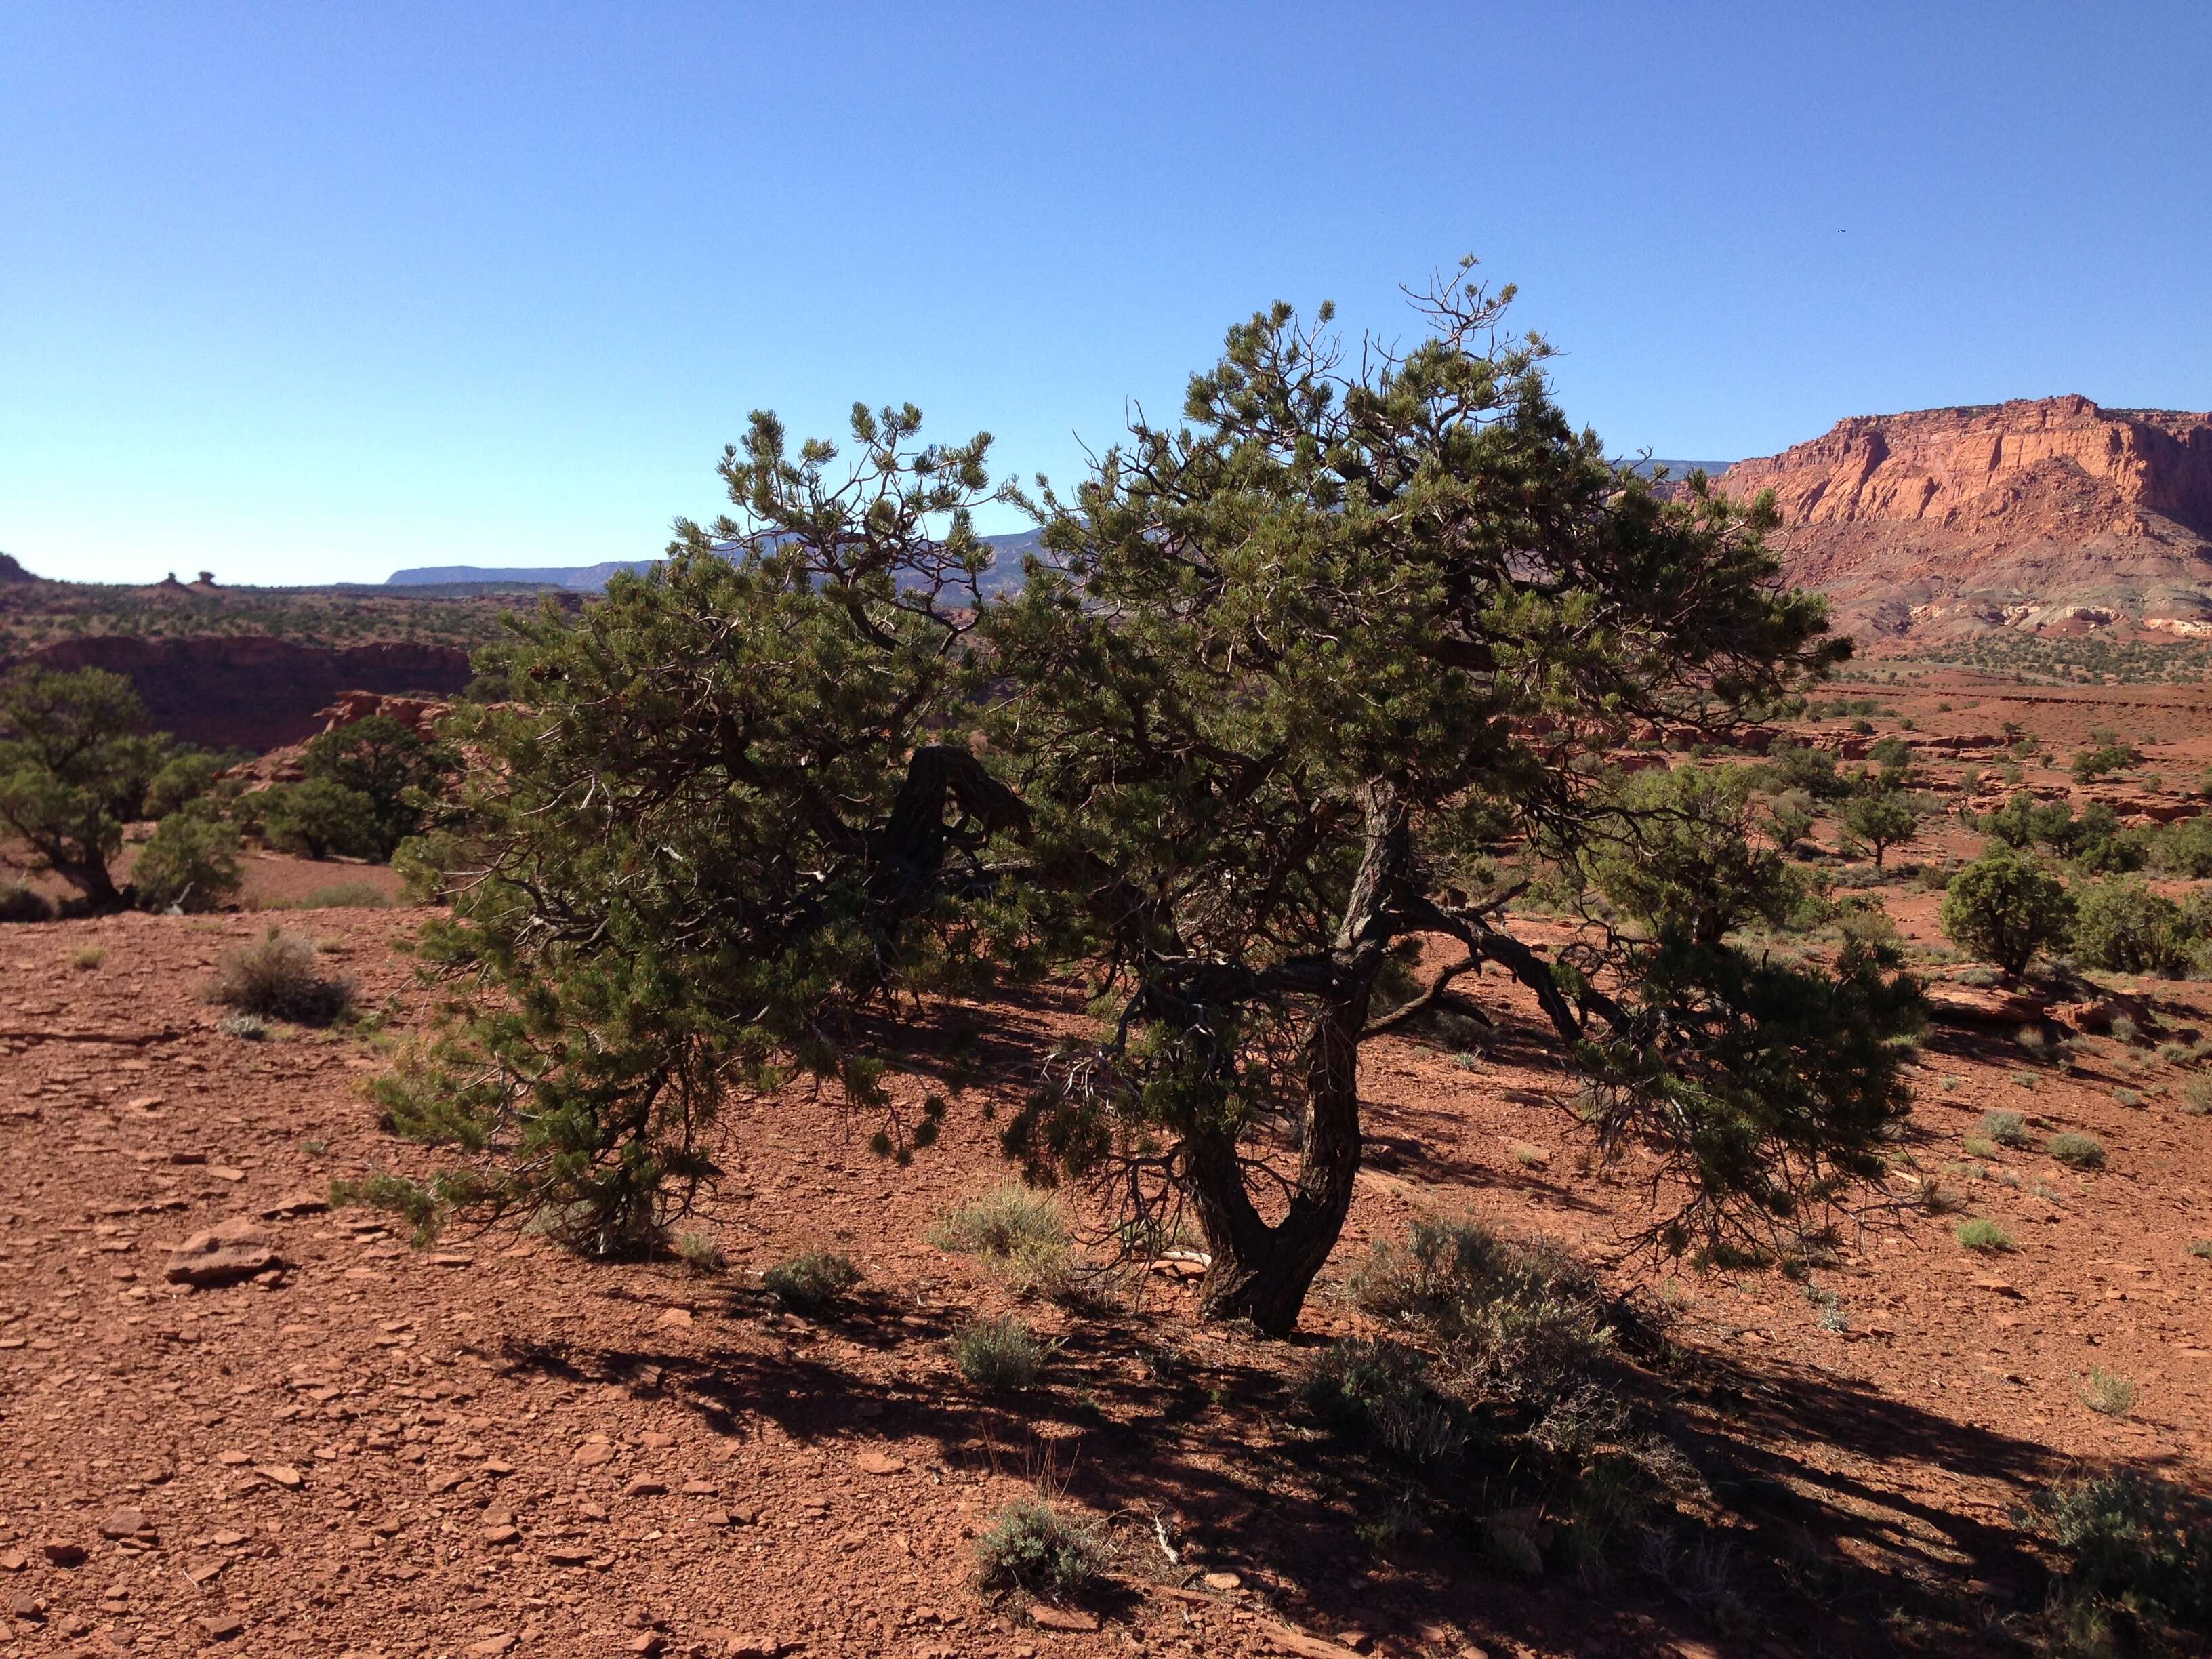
(2047, 514)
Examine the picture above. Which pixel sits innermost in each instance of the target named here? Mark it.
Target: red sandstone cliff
(2040, 513)
(256, 693)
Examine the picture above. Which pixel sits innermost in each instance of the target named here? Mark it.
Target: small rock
(1358, 1640)
(507, 1534)
(1069, 1618)
(698, 1489)
(123, 1523)
(13, 1561)
(220, 1627)
(497, 1643)
(1223, 1580)
(647, 1645)
(594, 1450)
(676, 1319)
(875, 1462)
(282, 1474)
(62, 1552)
(224, 1254)
(297, 1204)
(645, 1486)
(27, 1608)
(567, 1555)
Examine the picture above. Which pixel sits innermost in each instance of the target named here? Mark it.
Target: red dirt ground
(487, 1446)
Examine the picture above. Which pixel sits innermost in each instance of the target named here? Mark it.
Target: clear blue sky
(304, 292)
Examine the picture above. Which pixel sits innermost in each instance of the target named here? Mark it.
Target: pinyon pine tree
(716, 840)
(1297, 644)
(75, 763)
(1288, 669)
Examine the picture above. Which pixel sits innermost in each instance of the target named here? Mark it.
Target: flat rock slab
(226, 1253)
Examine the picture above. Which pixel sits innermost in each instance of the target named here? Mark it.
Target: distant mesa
(1004, 574)
(2040, 515)
(11, 570)
(589, 578)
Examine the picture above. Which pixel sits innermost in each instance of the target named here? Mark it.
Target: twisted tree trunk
(1262, 1273)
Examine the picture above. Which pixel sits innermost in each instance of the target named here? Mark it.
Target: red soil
(489, 1446)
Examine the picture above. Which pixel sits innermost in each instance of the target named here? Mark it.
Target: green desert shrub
(1510, 1321)
(2106, 1395)
(339, 895)
(2080, 1151)
(2136, 1543)
(1379, 1391)
(2122, 926)
(701, 1253)
(813, 1282)
(1984, 1235)
(19, 903)
(184, 778)
(2007, 908)
(1020, 1231)
(999, 1355)
(275, 977)
(190, 863)
(389, 768)
(1038, 1549)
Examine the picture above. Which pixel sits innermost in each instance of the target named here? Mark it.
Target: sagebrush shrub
(1511, 1320)
(1380, 1391)
(2141, 1543)
(19, 903)
(2081, 1152)
(811, 1282)
(1984, 1235)
(1039, 1550)
(2006, 1128)
(1001, 1355)
(2107, 1394)
(275, 977)
(1021, 1232)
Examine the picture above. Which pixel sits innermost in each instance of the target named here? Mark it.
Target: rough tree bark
(1261, 1273)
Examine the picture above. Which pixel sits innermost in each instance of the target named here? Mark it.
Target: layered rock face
(256, 693)
(2043, 514)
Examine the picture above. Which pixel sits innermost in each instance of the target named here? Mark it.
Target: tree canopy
(1287, 669)
(1359, 599)
(74, 764)
(710, 848)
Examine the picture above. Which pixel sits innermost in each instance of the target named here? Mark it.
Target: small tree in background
(388, 766)
(186, 776)
(190, 863)
(2123, 926)
(2007, 908)
(75, 763)
(320, 818)
(1299, 643)
(1881, 815)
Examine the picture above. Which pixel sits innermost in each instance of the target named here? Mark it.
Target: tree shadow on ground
(1825, 1519)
